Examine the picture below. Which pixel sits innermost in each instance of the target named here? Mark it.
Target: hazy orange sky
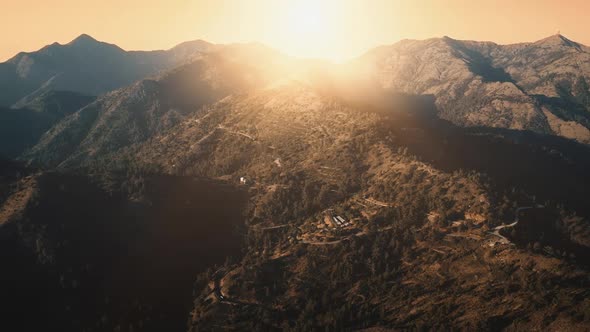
(337, 29)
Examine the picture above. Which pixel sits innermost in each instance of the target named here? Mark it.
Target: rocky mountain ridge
(541, 86)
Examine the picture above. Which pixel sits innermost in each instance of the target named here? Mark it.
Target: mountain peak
(193, 42)
(558, 40)
(191, 46)
(83, 39)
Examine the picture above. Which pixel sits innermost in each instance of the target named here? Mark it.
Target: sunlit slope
(292, 129)
(421, 226)
(291, 138)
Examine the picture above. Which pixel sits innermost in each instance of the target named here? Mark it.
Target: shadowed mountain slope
(79, 256)
(21, 128)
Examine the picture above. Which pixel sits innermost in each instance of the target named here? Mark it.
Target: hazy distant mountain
(86, 66)
(133, 114)
(541, 86)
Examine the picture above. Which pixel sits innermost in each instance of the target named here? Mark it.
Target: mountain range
(541, 87)
(85, 66)
(426, 185)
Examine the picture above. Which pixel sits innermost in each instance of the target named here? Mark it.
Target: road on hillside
(497, 230)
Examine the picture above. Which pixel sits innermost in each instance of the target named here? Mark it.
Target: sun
(308, 27)
(307, 18)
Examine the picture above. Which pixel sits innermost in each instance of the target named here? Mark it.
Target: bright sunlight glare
(310, 28)
(306, 18)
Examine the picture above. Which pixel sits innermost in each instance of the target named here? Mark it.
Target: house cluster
(338, 221)
(244, 180)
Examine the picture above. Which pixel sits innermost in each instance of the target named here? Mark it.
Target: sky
(332, 29)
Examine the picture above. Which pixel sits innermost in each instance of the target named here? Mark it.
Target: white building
(243, 180)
